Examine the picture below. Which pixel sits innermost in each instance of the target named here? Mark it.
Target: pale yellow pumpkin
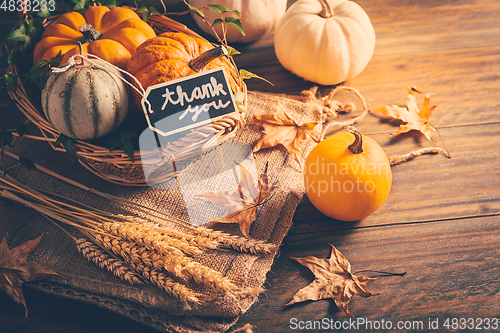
(325, 41)
(257, 16)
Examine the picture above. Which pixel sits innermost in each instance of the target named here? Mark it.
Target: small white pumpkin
(257, 16)
(324, 41)
(84, 101)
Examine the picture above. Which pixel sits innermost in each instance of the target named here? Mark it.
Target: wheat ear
(141, 262)
(194, 240)
(164, 282)
(103, 260)
(144, 235)
(180, 266)
(238, 243)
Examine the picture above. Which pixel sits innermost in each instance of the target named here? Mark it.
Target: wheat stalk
(148, 235)
(152, 250)
(180, 266)
(194, 240)
(166, 283)
(206, 240)
(103, 260)
(238, 243)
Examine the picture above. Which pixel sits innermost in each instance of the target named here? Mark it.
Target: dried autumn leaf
(244, 202)
(280, 128)
(15, 270)
(411, 116)
(333, 279)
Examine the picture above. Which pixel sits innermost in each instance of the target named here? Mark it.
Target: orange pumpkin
(174, 55)
(347, 176)
(111, 34)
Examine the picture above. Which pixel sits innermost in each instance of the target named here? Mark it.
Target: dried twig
(395, 160)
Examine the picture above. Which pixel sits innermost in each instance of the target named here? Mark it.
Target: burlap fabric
(146, 304)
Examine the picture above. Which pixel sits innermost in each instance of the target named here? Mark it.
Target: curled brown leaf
(333, 279)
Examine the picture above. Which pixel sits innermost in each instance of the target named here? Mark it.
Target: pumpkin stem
(326, 10)
(81, 52)
(357, 146)
(89, 33)
(197, 64)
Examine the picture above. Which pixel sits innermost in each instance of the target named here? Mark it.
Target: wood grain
(440, 222)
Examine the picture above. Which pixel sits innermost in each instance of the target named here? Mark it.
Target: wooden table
(440, 223)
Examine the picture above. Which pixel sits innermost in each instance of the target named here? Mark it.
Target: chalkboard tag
(186, 103)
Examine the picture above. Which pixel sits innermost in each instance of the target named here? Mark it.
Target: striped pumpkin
(85, 102)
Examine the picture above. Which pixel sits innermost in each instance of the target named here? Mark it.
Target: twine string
(86, 57)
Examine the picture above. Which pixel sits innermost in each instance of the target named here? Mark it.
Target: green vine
(225, 22)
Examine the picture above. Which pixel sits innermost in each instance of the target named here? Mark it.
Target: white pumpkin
(257, 16)
(84, 101)
(324, 41)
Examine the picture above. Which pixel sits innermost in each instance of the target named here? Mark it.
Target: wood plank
(457, 44)
(431, 187)
(452, 271)
(463, 95)
(440, 222)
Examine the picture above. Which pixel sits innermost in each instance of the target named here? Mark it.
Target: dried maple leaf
(244, 202)
(411, 116)
(15, 270)
(333, 279)
(280, 128)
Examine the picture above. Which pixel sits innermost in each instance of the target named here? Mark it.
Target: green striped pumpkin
(85, 102)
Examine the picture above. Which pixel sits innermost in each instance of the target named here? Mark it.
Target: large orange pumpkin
(111, 34)
(173, 55)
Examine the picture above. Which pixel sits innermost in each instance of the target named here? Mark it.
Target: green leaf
(55, 61)
(231, 51)
(109, 3)
(249, 75)
(239, 98)
(216, 21)
(77, 4)
(44, 13)
(39, 73)
(13, 58)
(18, 35)
(124, 143)
(27, 41)
(67, 143)
(28, 164)
(235, 23)
(218, 9)
(35, 31)
(29, 26)
(146, 12)
(241, 108)
(11, 78)
(196, 10)
(21, 128)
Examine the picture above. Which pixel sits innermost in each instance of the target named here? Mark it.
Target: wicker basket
(116, 166)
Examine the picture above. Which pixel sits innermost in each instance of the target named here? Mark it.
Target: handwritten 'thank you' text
(212, 89)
